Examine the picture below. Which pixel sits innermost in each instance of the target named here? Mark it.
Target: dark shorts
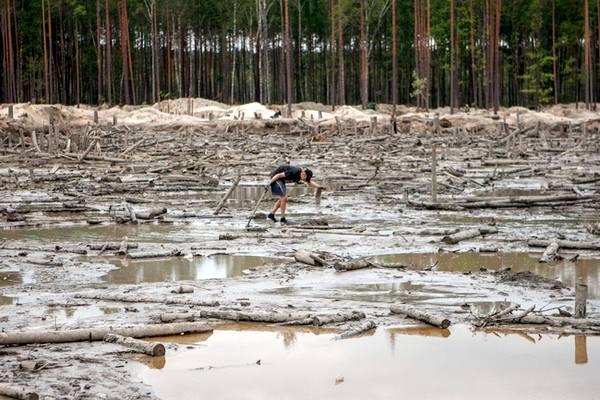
(278, 188)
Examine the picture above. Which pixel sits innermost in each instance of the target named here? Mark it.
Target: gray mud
(63, 222)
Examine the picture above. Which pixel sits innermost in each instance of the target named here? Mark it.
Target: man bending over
(281, 175)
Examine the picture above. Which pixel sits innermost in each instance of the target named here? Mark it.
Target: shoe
(272, 217)
(283, 221)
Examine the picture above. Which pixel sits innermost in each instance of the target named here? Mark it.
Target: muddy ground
(73, 195)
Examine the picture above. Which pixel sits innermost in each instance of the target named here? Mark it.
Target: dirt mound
(528, 279)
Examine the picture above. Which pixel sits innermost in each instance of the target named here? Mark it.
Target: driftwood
(255, 316)
(528, 317)
(352, 265)
(123, 247)
(111, 246)
(97, 334)
(151, 213)
(155, 254)
(566, 244)
(123, 298)
(358, 330)
(279, 317)
(468, 234)
(305, 257)
(17, 392)
(581, 294)
(325, 319)
(138, 346)
(227, 195)
(183, 290)
(172, 317)
(413, 313)
(551, 253)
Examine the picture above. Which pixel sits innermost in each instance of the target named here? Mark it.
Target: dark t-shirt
(292, 174)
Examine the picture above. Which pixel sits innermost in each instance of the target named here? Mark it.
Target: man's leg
(276, 206)
(283, 206)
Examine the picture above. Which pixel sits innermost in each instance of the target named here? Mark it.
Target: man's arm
(277, 177)
(315, 185)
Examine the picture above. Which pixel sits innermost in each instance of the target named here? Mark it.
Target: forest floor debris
(105, 226)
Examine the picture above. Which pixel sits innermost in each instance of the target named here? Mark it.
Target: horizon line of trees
(430, 53)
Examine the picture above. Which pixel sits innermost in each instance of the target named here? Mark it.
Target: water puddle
(581, 270)
(162, 233)
(423, 363)
(403, 292)
(10, 278)
(184, 269)
(73, 314)
(245, 195)
(512, 192)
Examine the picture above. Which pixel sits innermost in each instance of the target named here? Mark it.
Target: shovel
(262, 196)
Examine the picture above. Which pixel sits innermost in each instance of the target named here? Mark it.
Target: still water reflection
(582, 270)
(183, 269)
(10, 278)
(410, 363)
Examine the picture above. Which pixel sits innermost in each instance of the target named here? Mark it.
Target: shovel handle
(262, 196)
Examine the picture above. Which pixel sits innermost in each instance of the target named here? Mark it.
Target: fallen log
(468, 234)
(183, 290)
(123, 248)
(122, 298)
(359, 330)
(138, 346)
(111, 246)
(98, 334)
(566, 244)
(172, 317)
(155, 254)
(227, 195)
(17, 392)
(551, 253)
(325, 319)
(305, 257)
(413, 313)
(352, 265)
(151, 213)
(255, 316)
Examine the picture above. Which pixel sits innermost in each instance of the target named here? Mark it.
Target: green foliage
(537, 80)
(419, 85)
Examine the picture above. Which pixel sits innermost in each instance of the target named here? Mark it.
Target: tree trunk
(588, 78)
(108, 78)
(77, 65)
(155, 60)
(452, 60)
(233, 49)
(50, 53)
(554, 58)
(98, 51)
(342, 72)
(44, 38)
(333, 46)
(288, 60)
(394, 64)
(364, 91)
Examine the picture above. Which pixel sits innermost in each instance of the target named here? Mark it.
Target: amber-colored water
(247, 362)
(10, 278)
(183, 269)
(582, 270)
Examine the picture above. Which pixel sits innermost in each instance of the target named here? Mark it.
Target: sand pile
(248, 111)
(176, 113)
